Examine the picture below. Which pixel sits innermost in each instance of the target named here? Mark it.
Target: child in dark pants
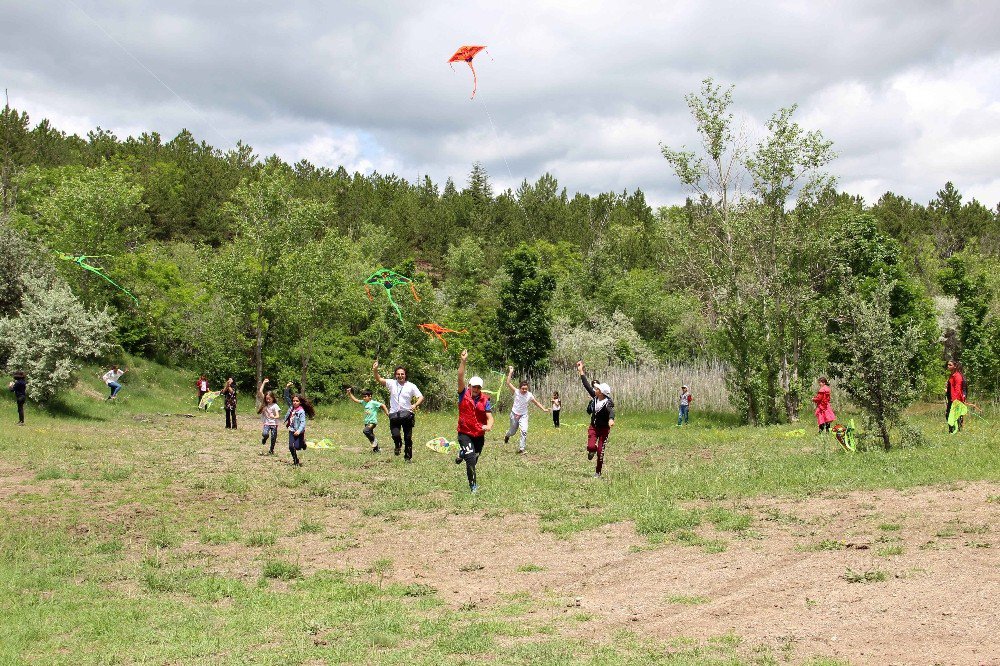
(475, 419)
(296, 422)
(20, 388)
(602, 417)
(371, 415)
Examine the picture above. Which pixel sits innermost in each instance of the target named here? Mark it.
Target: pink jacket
(824, 413)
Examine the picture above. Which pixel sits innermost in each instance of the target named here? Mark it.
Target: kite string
(497, 136)
(150, 72)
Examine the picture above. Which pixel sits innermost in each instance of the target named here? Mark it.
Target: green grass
(133, 534)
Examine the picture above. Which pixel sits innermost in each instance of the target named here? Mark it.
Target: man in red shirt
(955, 391)
(475, 419)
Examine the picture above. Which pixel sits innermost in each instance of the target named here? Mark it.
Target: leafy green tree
(877, 358)
(269, 223)
(524, 328)
(753, 260)
(978, 327)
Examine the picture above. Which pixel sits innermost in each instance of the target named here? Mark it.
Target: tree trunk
(884, 433)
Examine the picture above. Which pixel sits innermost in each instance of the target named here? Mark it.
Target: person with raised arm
(475, 419)
(602, 417)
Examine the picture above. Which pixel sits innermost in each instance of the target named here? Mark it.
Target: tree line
(246, 266)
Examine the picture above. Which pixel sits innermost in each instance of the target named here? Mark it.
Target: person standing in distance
(404, 399)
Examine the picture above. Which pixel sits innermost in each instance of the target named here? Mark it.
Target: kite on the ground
(800, 432)
(81, 261)
(957, 411)
(442, 445)
(847, 436)
(207, 399)
(438, 331)
(466, 54)
(324, 443)
(387, 279)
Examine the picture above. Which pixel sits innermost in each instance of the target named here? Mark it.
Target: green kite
(81, 261)
(387, 279)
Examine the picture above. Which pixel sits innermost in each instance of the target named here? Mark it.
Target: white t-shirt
(203, 385)
(521, 401)
(270, 414)
(112, 376)
(401, 396)
(556, 404)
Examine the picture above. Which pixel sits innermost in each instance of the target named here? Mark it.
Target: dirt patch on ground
(883, 577)
(879, 577)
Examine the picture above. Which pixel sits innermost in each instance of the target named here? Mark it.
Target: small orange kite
(467, 53)
(439, 331)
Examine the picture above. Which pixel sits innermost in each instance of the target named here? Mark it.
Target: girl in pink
(824, 413)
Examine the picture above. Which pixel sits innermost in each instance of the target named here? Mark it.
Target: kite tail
(475, 82)
(369, 292)
(414, 290)
(444, 342)
(127, 292)
(399, 313)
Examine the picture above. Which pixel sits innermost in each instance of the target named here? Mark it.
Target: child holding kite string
(519, 410)
(296, 421)
(371, 408)
(602, 417)
(111, 378)
(269, 414)
(475, 419)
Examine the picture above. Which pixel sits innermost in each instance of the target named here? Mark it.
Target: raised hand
(464, 355)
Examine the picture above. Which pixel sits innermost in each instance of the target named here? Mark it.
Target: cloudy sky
(908, 91)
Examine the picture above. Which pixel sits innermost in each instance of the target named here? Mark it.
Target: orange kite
(467, 53)
(439, 331)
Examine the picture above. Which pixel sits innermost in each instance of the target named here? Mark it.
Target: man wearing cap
(475, 419)
(602, 417)
(686, 398)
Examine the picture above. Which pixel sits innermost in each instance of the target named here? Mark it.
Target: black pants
(296, 444)
(472, 447)
(555, 417)
(20, 408)
(405, 423)
(231, 417)
(369, 432)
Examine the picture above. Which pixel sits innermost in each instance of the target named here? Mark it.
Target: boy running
(475, 419)
(519, 410)
(371, 415)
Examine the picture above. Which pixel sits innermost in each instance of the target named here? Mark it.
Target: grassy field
(135, 534)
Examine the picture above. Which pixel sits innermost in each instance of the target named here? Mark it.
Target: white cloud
(909, 91)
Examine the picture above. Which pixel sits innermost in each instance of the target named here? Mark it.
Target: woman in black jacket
(20, 387)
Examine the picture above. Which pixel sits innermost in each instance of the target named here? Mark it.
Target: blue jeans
(115, 387)
(682, 415)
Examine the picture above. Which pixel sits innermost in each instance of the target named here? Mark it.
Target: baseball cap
(605, 389)
(476, 381)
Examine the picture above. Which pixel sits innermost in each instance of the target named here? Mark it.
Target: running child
(475, 419)
(556, 408)
(602, 417)
(111, 378)
(824, 413)
(269, 413)
(296, 422)
(519, 410)
(371, 415)
(201, 386)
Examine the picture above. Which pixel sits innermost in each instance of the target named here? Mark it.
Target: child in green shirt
(371, 415)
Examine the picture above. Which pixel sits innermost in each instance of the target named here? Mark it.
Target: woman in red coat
(824, 413)
(954, 391)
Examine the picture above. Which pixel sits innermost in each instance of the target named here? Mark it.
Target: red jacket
(955, 382)
(472, 413)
